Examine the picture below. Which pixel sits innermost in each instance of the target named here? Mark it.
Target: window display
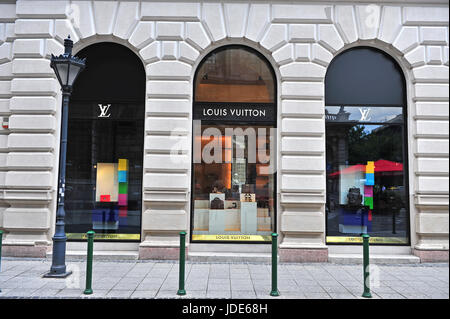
(105, 147)
(366, 150)
(234, 139)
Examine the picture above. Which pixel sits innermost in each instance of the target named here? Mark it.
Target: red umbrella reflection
(380, 166)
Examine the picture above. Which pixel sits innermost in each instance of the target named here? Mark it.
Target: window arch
(233, 179)
(105, 145)
(366, 148)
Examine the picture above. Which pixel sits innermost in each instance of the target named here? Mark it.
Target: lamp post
(67, 68)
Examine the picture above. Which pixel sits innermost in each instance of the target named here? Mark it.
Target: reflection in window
(365, 153)
(234, 75)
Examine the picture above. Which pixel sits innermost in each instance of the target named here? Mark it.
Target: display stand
(249, 212)
(216, 216)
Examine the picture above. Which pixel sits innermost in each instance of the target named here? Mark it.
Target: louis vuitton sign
(246, 112)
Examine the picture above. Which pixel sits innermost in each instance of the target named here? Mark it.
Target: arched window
(366, 148)
(105, 145)
(234, 113)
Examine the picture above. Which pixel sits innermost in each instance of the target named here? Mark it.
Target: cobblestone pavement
(22, 278)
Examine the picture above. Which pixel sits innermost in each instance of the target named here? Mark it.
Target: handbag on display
(217, 203)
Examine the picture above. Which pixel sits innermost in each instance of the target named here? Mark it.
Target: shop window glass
(366, 159)
(233, 153)
(105, 146)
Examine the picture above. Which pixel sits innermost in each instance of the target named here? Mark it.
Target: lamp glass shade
(62, 72)
(74, 70)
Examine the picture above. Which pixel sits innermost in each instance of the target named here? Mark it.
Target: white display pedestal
(249, 211)
(216, 216)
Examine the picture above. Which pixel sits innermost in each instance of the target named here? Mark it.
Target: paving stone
(145, 294)
(243, 294)
(317, 295)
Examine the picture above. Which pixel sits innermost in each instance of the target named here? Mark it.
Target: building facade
(318, 120)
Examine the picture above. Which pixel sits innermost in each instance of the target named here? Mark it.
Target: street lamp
(67, 68)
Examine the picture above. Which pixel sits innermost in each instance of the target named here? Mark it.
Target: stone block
(284, 55)
(275, 37)
(26, 219)
(151, 52)
(303, 108)
(416, 57)
(187, 53)
(258, 20)
(169, 31)
(170, 11)
(432, 184)
(19, 179)
(419, 15)
(346, 23)
(168, 89)
(196, 36)
(407, 39)
(143, 34)
(236, 19)
(167, 125)
(214, 20)
(431, 73)
(302, 71)
(28, 48)
(167, 162)
(104, 13)
(302, 33)
(302, 164)
(35, 123)
(127, 18)
(157, 181)
(5, 52)
(302, 52)
(168, 107)
(433, 36)
(431, 92)
(299, 255)
(432, 147)
(173, 143)
(302, 183)
(169, 50)
(33, 104)
(302, 145)
(7, 12)
(289, 13)
(330, 38)
(32, 67)
(391, 23)
(42, 9)
(300, 90)
(432, 128)
(83, 18)
(26, 160)
(29, 142)
(34, 86)
(34, 28)
(432, 110)
(320, 55)
(64, 28)
(434, 56)
(296, 126)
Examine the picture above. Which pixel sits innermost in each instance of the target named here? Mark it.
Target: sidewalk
(22, 278)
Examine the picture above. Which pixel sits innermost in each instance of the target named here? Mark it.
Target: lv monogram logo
(104, 110)
(364, 114)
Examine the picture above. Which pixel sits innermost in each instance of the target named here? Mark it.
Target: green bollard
(90, 252)
(181, 291)
(274, 291)
(366, 293)
(1, 238)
